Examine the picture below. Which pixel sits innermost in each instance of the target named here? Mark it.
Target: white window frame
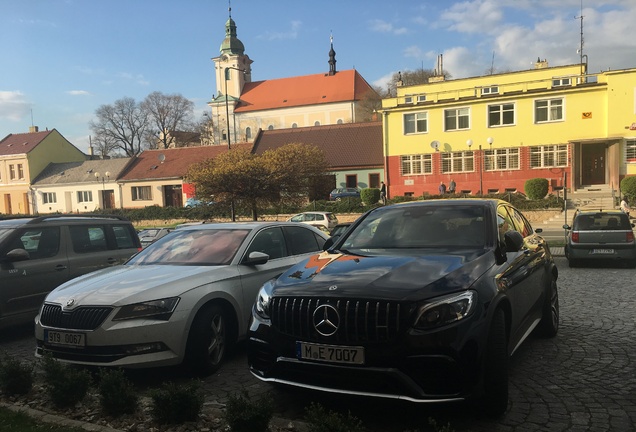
(490, 90)
(554, 110)
(12, 172)
(549, 156)
(408, 99)
(421, 98)
(505, 159)
(630, 150)
(84, 196)
(141, 193)
(503, 108)
(416, 164)
(458, 162)
(561, 82)
(416, 119)
(457, 114)
(49, 198)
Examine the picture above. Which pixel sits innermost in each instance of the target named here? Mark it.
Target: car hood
(133, 283)
(390, 277)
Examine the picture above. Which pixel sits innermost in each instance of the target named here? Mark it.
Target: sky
(60, 60)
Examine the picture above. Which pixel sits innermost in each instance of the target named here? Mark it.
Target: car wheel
(549, 325)
(495, 387)
(207, 341)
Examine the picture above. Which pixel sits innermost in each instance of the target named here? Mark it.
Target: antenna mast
(581, 55)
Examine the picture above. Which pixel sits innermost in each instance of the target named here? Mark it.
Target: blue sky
(62, 59)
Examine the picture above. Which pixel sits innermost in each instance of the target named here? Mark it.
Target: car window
(193, 247)
(270, 241)
(310, 217)
(521, 224)
(298, 218)
(504, 222)
(332, 217)
(87, 239)
(41, 242)
(320, 217)
(601, 222)
(301, 240)
(123, 237)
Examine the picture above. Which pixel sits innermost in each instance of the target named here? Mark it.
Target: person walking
(383, 193)
(452, 186)
(442, 188)
(625, 206)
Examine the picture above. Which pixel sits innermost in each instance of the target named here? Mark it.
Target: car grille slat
(360, 320)
(82, 318)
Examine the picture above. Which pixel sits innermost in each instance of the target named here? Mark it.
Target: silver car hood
(120, 285)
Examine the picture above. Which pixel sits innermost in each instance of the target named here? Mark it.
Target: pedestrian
(442, 188)
(383, 193)
(452, 186)
(625, 206)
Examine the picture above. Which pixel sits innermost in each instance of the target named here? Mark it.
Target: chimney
(33, 129)
(541, 64)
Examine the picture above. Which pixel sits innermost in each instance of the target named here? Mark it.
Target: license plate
(330, 353)
(65, 338)
(602, 251)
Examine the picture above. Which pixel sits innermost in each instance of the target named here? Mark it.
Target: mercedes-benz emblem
(70, 302)
(326, 320)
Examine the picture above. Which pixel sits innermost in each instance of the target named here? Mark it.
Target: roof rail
(39, 219)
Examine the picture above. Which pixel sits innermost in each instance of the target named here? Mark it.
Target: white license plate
(602, 251)
(330, 353)
(65, 338)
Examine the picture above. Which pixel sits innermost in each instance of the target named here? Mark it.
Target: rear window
(331, 217)
(601, 222)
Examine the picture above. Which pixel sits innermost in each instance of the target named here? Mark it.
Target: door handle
(60, 267)
(112, 261)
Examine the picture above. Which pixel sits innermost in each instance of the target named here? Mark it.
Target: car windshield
(4, 232)
(193, 247)
(420, 227)
(601, 222)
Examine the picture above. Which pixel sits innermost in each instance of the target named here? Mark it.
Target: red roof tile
(176, 161)
(21, 143)
(303, 90)
(349, 145)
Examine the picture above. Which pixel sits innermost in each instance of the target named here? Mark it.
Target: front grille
(361, 321)
(82, 318)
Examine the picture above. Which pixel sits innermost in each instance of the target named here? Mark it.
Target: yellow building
(492, 133)
(22, 158)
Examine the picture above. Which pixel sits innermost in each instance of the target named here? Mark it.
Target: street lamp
(226, 74)
(469, 143)
(103, 179)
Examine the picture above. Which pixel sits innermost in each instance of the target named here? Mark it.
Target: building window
(548, 110)
(248, 133)
(457, 162)
(630, 150)
(416, 164)
(415, 123)
(501, 159)
(456, 119)
(339, 121)
(270, 127)
(374, 181)
(490, 90)
(11, 172)
(549, 156)
(316, 123)
(351, 180)
(84, 196)
(560, 82)
(501, 115)
(294, 125)
(20, 172)
(408, 99)
(141, 193)
(49, 198)
(224, 135)
(421, 98)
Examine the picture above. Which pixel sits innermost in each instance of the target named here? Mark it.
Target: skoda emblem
(326, 320)
(70, 302)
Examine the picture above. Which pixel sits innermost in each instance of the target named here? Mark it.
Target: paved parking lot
(582, 380)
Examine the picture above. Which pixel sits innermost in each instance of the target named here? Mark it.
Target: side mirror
(330, 241)
(538, 230)
(566, 227)
(16, 255)
(514, 241)
(256, 258)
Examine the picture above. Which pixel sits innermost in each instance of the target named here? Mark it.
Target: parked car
(338, 193)
(422, 301)
(151, 235)
(339, 229)
(37, 254)
(195, 202)
(316, 218)
(185, 298)
(600, 236)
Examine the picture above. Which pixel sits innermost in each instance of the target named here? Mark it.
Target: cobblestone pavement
(584, 379)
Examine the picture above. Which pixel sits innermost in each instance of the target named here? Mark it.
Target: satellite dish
(161, 157)
(435, 144)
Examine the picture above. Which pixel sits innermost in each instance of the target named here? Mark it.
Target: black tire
(208, 340)
(495, 387)
(549, 325)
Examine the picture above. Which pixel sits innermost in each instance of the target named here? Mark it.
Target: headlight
(263, 299)
(156, 309)
(445, 310)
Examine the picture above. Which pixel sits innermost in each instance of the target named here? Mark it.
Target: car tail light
(629, 236)
(575, 237)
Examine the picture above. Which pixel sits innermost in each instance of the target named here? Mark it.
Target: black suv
(38, 254)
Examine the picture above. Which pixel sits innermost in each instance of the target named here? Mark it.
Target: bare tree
(124, 123)
(103, 145)
(166, 114)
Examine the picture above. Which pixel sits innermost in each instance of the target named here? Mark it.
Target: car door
(26, 283)
(272, 242)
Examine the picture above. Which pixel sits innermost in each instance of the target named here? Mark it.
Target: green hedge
(628, 188)
(536, 188)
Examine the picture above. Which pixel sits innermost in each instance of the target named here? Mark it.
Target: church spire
(332, 58)
(231, 44)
